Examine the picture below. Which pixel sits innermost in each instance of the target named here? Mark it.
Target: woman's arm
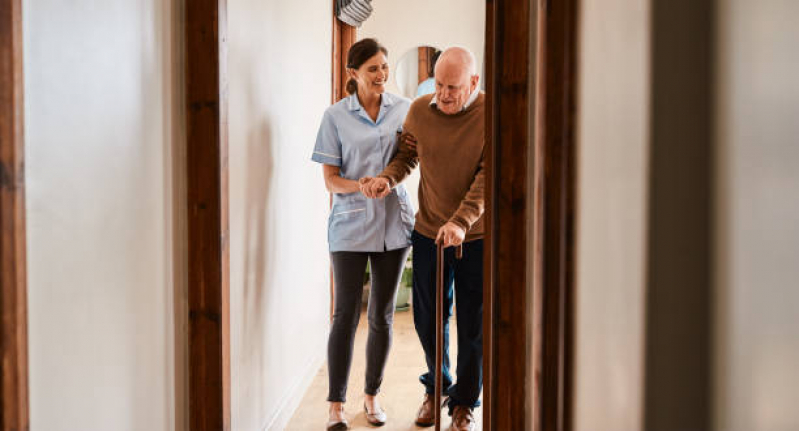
(335, 183)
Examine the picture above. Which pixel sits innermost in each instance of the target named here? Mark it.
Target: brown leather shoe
(426, 417)
(462, 419)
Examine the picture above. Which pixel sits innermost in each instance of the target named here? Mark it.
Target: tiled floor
(401, 393)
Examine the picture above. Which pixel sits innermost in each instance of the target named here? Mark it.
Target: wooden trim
(14, 414)
(344, 36)
(421, 63)
(548, 110)
(554, 239)
(208, 230)
(508, 143)
(489, 261)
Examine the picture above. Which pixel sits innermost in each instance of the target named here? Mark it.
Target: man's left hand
(450, 235)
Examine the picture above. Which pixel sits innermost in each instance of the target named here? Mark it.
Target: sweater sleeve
(473, 204)
(403, 162)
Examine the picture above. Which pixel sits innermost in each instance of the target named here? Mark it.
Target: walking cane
(440, 326)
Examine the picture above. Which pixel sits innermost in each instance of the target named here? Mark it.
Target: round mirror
(414, 72)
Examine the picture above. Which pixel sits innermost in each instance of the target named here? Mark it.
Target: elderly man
(447, 128)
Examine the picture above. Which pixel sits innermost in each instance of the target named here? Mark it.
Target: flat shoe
(338, 426)
(377, 419)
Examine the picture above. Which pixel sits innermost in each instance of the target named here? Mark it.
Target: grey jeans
(348, 270)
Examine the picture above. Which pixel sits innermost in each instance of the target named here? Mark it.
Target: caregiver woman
(357, 139)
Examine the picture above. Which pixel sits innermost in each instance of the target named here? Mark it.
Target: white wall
(280, 84)
(611, 219)
(402, 26)
(757, 216)
(98, 83)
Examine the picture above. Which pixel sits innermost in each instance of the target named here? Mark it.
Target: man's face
(454, 85)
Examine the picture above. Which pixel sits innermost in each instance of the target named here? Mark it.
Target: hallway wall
(100, 207)
(612, 177)
(280, 84)
(757, 216)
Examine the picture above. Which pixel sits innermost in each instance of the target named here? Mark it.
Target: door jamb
(14, 414)
(521, 115)
(207, 215)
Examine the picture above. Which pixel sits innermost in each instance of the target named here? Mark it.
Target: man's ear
(474, 81)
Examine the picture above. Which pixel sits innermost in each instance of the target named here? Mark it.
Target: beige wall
(757, 216)
(611, 218)
(280, 84)
(99, 108)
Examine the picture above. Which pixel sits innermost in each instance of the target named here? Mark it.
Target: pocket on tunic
(406, 212)
(347, 221)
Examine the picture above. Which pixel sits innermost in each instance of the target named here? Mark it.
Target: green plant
(404, 288)
(405, 285)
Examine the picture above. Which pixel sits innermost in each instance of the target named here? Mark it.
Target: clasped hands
(376, 188)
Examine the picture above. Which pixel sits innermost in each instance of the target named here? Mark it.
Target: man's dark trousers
(467, 274)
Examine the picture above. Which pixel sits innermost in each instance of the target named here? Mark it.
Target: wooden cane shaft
(439, 332)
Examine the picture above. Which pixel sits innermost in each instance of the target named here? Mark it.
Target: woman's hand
(364, 184)
(374, 188)
(409, 140)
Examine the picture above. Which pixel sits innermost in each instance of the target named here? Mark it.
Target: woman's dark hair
(359, 54)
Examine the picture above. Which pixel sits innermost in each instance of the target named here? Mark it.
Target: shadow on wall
(258, 253)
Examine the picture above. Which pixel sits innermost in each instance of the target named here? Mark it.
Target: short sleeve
(328, 146)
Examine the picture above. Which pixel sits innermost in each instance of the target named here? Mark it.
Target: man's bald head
(460, 58)
(456, 79)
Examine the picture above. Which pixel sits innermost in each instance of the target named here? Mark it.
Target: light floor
(401, 393)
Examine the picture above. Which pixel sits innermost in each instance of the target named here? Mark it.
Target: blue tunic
(348, 138)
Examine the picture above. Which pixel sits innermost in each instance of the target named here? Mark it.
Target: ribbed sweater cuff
(391, 182)
(461, 223)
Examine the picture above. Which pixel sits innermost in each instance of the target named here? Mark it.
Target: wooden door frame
(344, 36)
(207, 214)
(524, 38)
(14, 414)
(523, 113)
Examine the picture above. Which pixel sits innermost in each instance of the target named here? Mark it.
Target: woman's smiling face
(372, 76)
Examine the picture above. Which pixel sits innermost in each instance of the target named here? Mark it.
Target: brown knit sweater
(450, 155)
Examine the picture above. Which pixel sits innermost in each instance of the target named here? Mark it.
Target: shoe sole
(425, 424)
(338, 427)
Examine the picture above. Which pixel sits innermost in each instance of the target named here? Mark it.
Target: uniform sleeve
(328, 145)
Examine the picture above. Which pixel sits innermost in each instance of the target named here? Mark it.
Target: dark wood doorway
(530, 153)
(14, 413)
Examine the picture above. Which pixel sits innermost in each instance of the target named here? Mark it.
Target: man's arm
(397, 170)
(473, 204)
(403, 162)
